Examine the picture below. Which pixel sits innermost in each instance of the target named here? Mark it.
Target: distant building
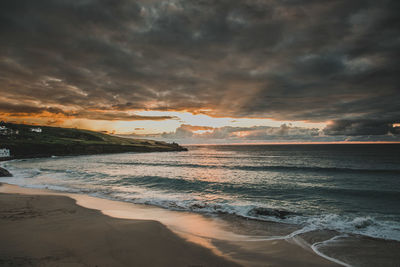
(37, 130)
(4, 153)
(3, 130)
(7, 131)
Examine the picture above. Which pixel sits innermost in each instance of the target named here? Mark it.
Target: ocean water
(352, 189)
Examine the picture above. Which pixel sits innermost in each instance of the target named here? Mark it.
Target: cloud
(336, 131)
(361, 127)
(187, 131)
(285, 60)
(12, 110)
(255, 133)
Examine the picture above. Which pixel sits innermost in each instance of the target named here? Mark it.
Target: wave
(277, 190)
(277, 168)
(315, 247)
(318, 169)
(361, 225)
(370, 226)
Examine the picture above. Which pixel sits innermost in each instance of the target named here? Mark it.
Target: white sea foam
(315, 247)
(367, 226)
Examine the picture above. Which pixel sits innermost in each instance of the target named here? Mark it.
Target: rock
(281, 214)
(4, 173)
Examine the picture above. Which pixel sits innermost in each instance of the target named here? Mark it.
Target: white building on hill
(37, 130)
(4, 130)
(5, 153)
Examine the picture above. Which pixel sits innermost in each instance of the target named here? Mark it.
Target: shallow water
(349, 189)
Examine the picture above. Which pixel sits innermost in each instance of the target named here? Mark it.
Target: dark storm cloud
(26, 109)
(16, 110)
(287, 60)
(338, 131)
(361, 127)
(120, 116)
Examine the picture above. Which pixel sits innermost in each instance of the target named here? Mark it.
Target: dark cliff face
(4, 173)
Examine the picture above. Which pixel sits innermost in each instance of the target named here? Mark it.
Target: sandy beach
(54, 231)
(47, 228)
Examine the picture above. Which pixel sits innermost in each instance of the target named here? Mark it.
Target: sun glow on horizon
(158, 126)
(201, 131)
(150, 127)
(216, 122)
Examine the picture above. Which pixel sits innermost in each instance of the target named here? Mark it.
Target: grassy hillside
(24, 143)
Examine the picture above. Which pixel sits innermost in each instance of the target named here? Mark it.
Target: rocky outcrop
(281, 214)
(4, 173)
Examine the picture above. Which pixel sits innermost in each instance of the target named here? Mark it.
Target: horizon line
(299, 143)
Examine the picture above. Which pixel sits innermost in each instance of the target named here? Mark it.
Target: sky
(205, 71)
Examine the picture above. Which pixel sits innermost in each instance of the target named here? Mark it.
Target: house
(37, 130)
(3, 130)
(4, 153)
(7, 131)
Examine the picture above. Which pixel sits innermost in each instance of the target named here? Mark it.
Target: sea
(348, 189)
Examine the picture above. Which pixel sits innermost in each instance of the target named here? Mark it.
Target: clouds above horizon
(334, 132)
(284, 132)
(333, 60)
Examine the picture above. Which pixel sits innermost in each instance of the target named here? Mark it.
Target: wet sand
(47, 228)
(54, 231)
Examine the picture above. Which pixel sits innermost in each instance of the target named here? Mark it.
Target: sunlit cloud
(208, 121)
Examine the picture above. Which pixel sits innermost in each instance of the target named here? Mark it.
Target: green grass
(67, 141)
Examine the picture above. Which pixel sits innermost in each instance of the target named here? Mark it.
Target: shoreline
(198, 230)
